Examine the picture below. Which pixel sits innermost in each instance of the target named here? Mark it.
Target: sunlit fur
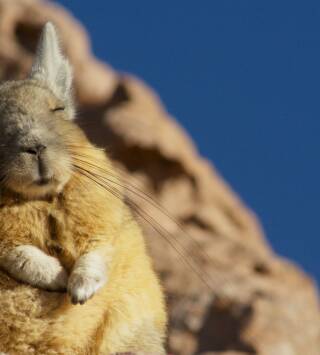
(75, 217)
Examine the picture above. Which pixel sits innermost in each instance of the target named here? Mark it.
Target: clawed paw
(83, 287)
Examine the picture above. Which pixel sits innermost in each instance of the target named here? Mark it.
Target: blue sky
(243, 77)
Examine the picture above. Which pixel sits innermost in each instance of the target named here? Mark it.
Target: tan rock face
(257, 303)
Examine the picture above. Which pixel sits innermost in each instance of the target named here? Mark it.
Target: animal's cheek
(22, 168)
(59, 163)
(26, 164)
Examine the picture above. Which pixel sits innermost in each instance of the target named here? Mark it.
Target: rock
(256, 302)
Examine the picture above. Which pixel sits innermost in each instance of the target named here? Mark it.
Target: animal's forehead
(26, 96)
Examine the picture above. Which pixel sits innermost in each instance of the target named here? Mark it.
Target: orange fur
(57, 222)
(125, 315)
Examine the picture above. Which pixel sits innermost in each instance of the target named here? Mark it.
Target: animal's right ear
(51, 67)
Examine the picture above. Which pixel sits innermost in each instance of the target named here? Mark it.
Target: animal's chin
(43, 182)
(39, 188)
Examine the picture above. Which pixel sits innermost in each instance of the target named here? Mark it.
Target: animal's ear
(50, 66)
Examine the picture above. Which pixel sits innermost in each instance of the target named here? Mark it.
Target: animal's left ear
(51, 67)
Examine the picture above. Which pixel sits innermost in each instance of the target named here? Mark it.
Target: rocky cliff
(257, 303)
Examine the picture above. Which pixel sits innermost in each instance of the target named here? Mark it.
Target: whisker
(104, 177)
(174, 243)
(147, 198)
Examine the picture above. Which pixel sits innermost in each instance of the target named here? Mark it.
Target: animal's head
(35, 122)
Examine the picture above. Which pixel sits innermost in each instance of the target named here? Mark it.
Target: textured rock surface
(259, 303)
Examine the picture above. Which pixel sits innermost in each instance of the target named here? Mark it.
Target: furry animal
(62, 230)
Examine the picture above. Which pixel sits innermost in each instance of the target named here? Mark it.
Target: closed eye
(59, 108)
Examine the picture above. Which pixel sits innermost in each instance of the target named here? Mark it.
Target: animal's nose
(35, 150)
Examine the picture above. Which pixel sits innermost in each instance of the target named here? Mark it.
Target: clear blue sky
(243, 77)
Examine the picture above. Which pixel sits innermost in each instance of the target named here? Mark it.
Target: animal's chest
(48, 226)
(65, 230)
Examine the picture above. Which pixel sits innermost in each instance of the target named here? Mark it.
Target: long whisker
(121, 175)
(141, 194)
(180, 249)
(104, 177)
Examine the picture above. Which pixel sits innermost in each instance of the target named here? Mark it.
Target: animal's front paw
(59, 279)
(87, 277)
(83, 287)
(31, 265)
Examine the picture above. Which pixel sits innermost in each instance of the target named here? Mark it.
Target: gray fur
(51, 67)
(35, 126)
